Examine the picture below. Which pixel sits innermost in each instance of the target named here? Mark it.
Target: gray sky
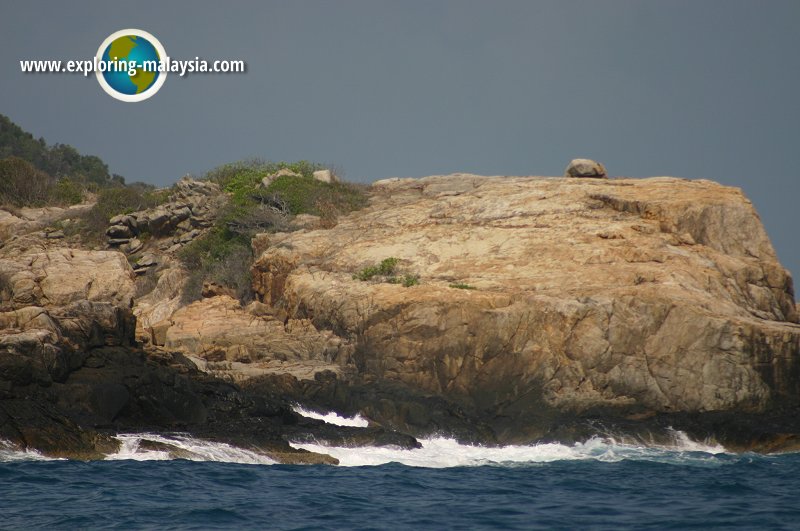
(694, 88)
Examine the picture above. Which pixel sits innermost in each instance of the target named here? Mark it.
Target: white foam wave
(333, 418)
(436, 452)
(442, 452)
(136, 447)
(9, 452)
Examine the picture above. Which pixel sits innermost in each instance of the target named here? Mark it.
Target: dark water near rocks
(599, 486)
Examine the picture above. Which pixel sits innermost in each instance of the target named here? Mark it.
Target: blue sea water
(596, 485)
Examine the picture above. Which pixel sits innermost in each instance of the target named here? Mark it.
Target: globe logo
(127, 65)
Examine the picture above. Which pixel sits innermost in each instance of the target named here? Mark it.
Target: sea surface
(598, 484)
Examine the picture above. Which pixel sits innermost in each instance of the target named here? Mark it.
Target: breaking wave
(438, 452)
(445, 453)
(153, 447)
(333, 418)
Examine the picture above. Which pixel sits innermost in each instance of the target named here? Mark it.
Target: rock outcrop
(325, 176)
(24, 220)
(60, 276)
(228, 340)
(623, 297)
(191, 207)
(513, 309)
(59, 306)
(72, 372)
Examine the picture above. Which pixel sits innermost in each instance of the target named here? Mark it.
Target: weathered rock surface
(192, 206)
(585, 168)
(61, 276)
(228, 340)
(24, 220)
(623, 297)
(72, 375)
(630, 304)
(325, 176)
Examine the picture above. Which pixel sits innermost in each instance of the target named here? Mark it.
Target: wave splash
(155, 447)
(10, 453)
(332, 418)
(443, 452)
(436, 452)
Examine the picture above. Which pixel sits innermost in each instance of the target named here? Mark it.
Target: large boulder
(627, 296)
(325, 176)
(61, 276)
(585, 168)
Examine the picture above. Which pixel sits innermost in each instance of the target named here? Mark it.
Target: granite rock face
(634, 297)
(24, 220)
(61, 276)
(191, 208)
(227, 340)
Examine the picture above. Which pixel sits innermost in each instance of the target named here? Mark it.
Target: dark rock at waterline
(119, 389)
(394, 406)
(38, 425)
(317, 431)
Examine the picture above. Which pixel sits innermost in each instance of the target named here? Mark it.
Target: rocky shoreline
(496, 310)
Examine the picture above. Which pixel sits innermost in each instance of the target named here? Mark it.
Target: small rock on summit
(586, 168)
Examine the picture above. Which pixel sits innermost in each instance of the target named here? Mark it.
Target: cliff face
(72, 372)
(497, 309)
(631, 296)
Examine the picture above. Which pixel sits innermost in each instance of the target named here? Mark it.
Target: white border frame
(162, 76)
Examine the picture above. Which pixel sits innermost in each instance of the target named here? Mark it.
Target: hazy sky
(697, 89)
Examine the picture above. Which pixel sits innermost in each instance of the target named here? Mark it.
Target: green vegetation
(114, 201)
(406, 280)
(59, 161)
(21, 184)
(387, 270)
(34, 174)
(67, 192)
(290, 194)
(461, 285)
(224, 254)
(220, 256)
(306, 195)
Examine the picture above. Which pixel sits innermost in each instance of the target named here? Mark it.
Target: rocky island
(493, 309)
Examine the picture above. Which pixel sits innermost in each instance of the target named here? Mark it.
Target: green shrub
(410, 280)
(67, 192)
(367, 273)
(295, 195)
(235, 175)
(388, 266)
(306, 195)
(114, 201)
(156, 197)
(461, 285)
(224, 255)
(220, 256)
(387, 269)
(22, 185)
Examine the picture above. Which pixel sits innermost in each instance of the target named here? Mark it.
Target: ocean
(598, 484)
